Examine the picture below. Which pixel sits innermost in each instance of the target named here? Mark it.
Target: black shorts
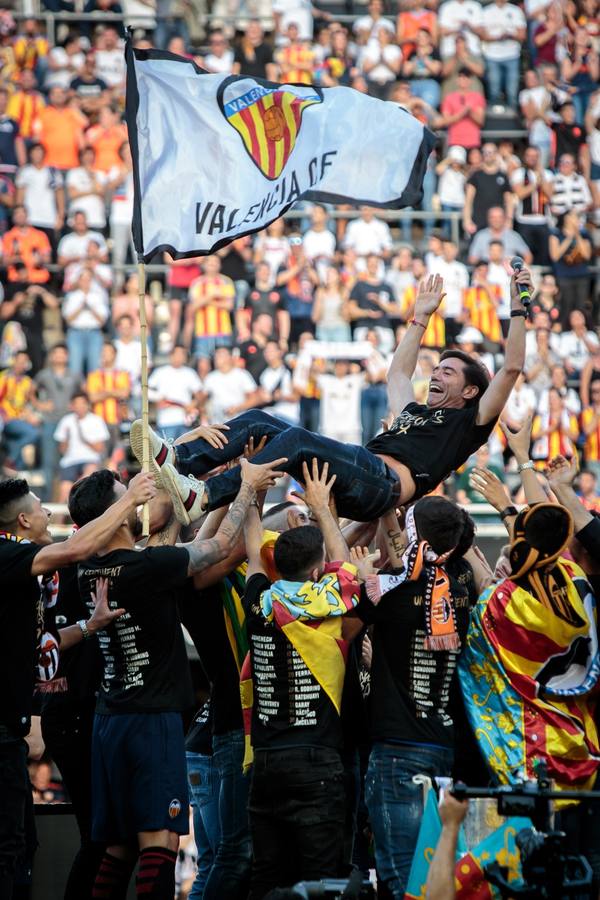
(139, 776)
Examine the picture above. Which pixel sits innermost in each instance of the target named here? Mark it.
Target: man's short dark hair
(91, 496)
(440, 522)
(297, 551)
(12, 493)
(467, 537)
(475, 374)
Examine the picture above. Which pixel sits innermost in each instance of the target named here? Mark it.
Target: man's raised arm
(493, 401)
(96, 534)
(400, 390)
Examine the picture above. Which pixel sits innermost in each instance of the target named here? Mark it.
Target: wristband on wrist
(526, 465)
(416, 322)
(508, 512)
(84, 629)
(515, 313)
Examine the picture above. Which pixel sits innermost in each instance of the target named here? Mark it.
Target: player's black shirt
(20, 613)
(290, 706)
(145, 662)
(410, 686)
(199, 737)
(432, 442)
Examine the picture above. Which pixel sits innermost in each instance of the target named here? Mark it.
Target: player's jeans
(296, 811)
(395, 804)
(203, 781)
(503, 75)
(364, 489)
(230, 873)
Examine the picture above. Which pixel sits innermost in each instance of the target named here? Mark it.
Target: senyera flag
(216, 157)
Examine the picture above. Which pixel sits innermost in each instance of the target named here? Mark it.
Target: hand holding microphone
(522, 283)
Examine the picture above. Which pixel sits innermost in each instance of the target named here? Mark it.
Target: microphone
(517, 264)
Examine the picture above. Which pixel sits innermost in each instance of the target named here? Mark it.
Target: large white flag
(217, 156)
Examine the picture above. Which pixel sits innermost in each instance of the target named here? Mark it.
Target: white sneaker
(186, 492)
(160, 451)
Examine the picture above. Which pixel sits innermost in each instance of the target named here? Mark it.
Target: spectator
(24, 105)
(545, 299)
(380, 61)
(413, 18)
(460, 17)
(340, 409)
(129, 352)
(21, 422)
(273, 246)
(298, 278)
(330, 310)
(12, 146)
(208, 313)
(82, 438)
(504, 31)
(588, 490)
(451, 183)
(219, 59)
(581, 69)
(370, 305)
(500, 231)
(539, 359)
(277, 394)
(558, 381)
(26, 251)
(110, 59)
(252, 350)
(338, 66)
(589, 374)
(74, 246)
(127, 304)
(89, 90)
(253, 56)
(570, 252)
(7, 200)
(25, 303)
(85, 312)
(64, 63)
(590, 426)
(549, 36)
(424, 66)
(367, 235)
(534, 103)
(318, 241)
(40, 190)
(487, 188)
(175, 389)
(456, 280)
(576, 344)
(229, 390)
(59, 128)
(465, 492)
(366, 28)
(109, 389)
(86, 190)
(463, 110)
(571, 190)
(373, 399)
(120, 188)
(30, 49)
(106, 139)
(521, 403)
(533, 186)
(462, 59)
(264, 299)
(54, 386)
(554, 432)
(296, 59)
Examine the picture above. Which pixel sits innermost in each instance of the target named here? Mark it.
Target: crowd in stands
(234, 330)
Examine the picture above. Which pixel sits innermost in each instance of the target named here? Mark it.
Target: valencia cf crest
(267, 117)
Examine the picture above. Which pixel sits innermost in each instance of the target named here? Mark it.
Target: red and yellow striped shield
(267, 118)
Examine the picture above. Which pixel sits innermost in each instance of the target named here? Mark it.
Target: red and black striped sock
(112, 878)
(156, 874)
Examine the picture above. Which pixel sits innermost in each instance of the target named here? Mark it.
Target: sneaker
(186, 492)
(160, 451)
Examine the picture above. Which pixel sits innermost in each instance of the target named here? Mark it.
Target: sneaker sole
(136, 441)
(170, 485)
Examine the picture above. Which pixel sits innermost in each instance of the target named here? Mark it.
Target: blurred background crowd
(299, 320)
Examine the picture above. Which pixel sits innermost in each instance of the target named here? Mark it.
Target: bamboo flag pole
(144, 343)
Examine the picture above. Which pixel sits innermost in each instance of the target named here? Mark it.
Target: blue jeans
(203, 782)
(364, 488)
(49, 453)
(429, 186)
(85, 349)
(19, 434)
(503, 75)
(373, 408)
(427, 89)
(230, 874)
(395, 804)
(206, 346)
(447, 223)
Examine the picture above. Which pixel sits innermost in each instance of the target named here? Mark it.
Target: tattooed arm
(393, 538)
(205, 553)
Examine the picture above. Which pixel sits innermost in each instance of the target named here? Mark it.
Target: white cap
(458, 154)
(470, 335)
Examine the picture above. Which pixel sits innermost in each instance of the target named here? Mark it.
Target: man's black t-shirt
(265, 302)
(360, 293)
(254, 67)
(145, 662)
(254, 358)
(410, 686)
(290, 706)
(570, 138)
(203, 616)
(86, 89)
(490, 189)
(432, 442)
(21, 612)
